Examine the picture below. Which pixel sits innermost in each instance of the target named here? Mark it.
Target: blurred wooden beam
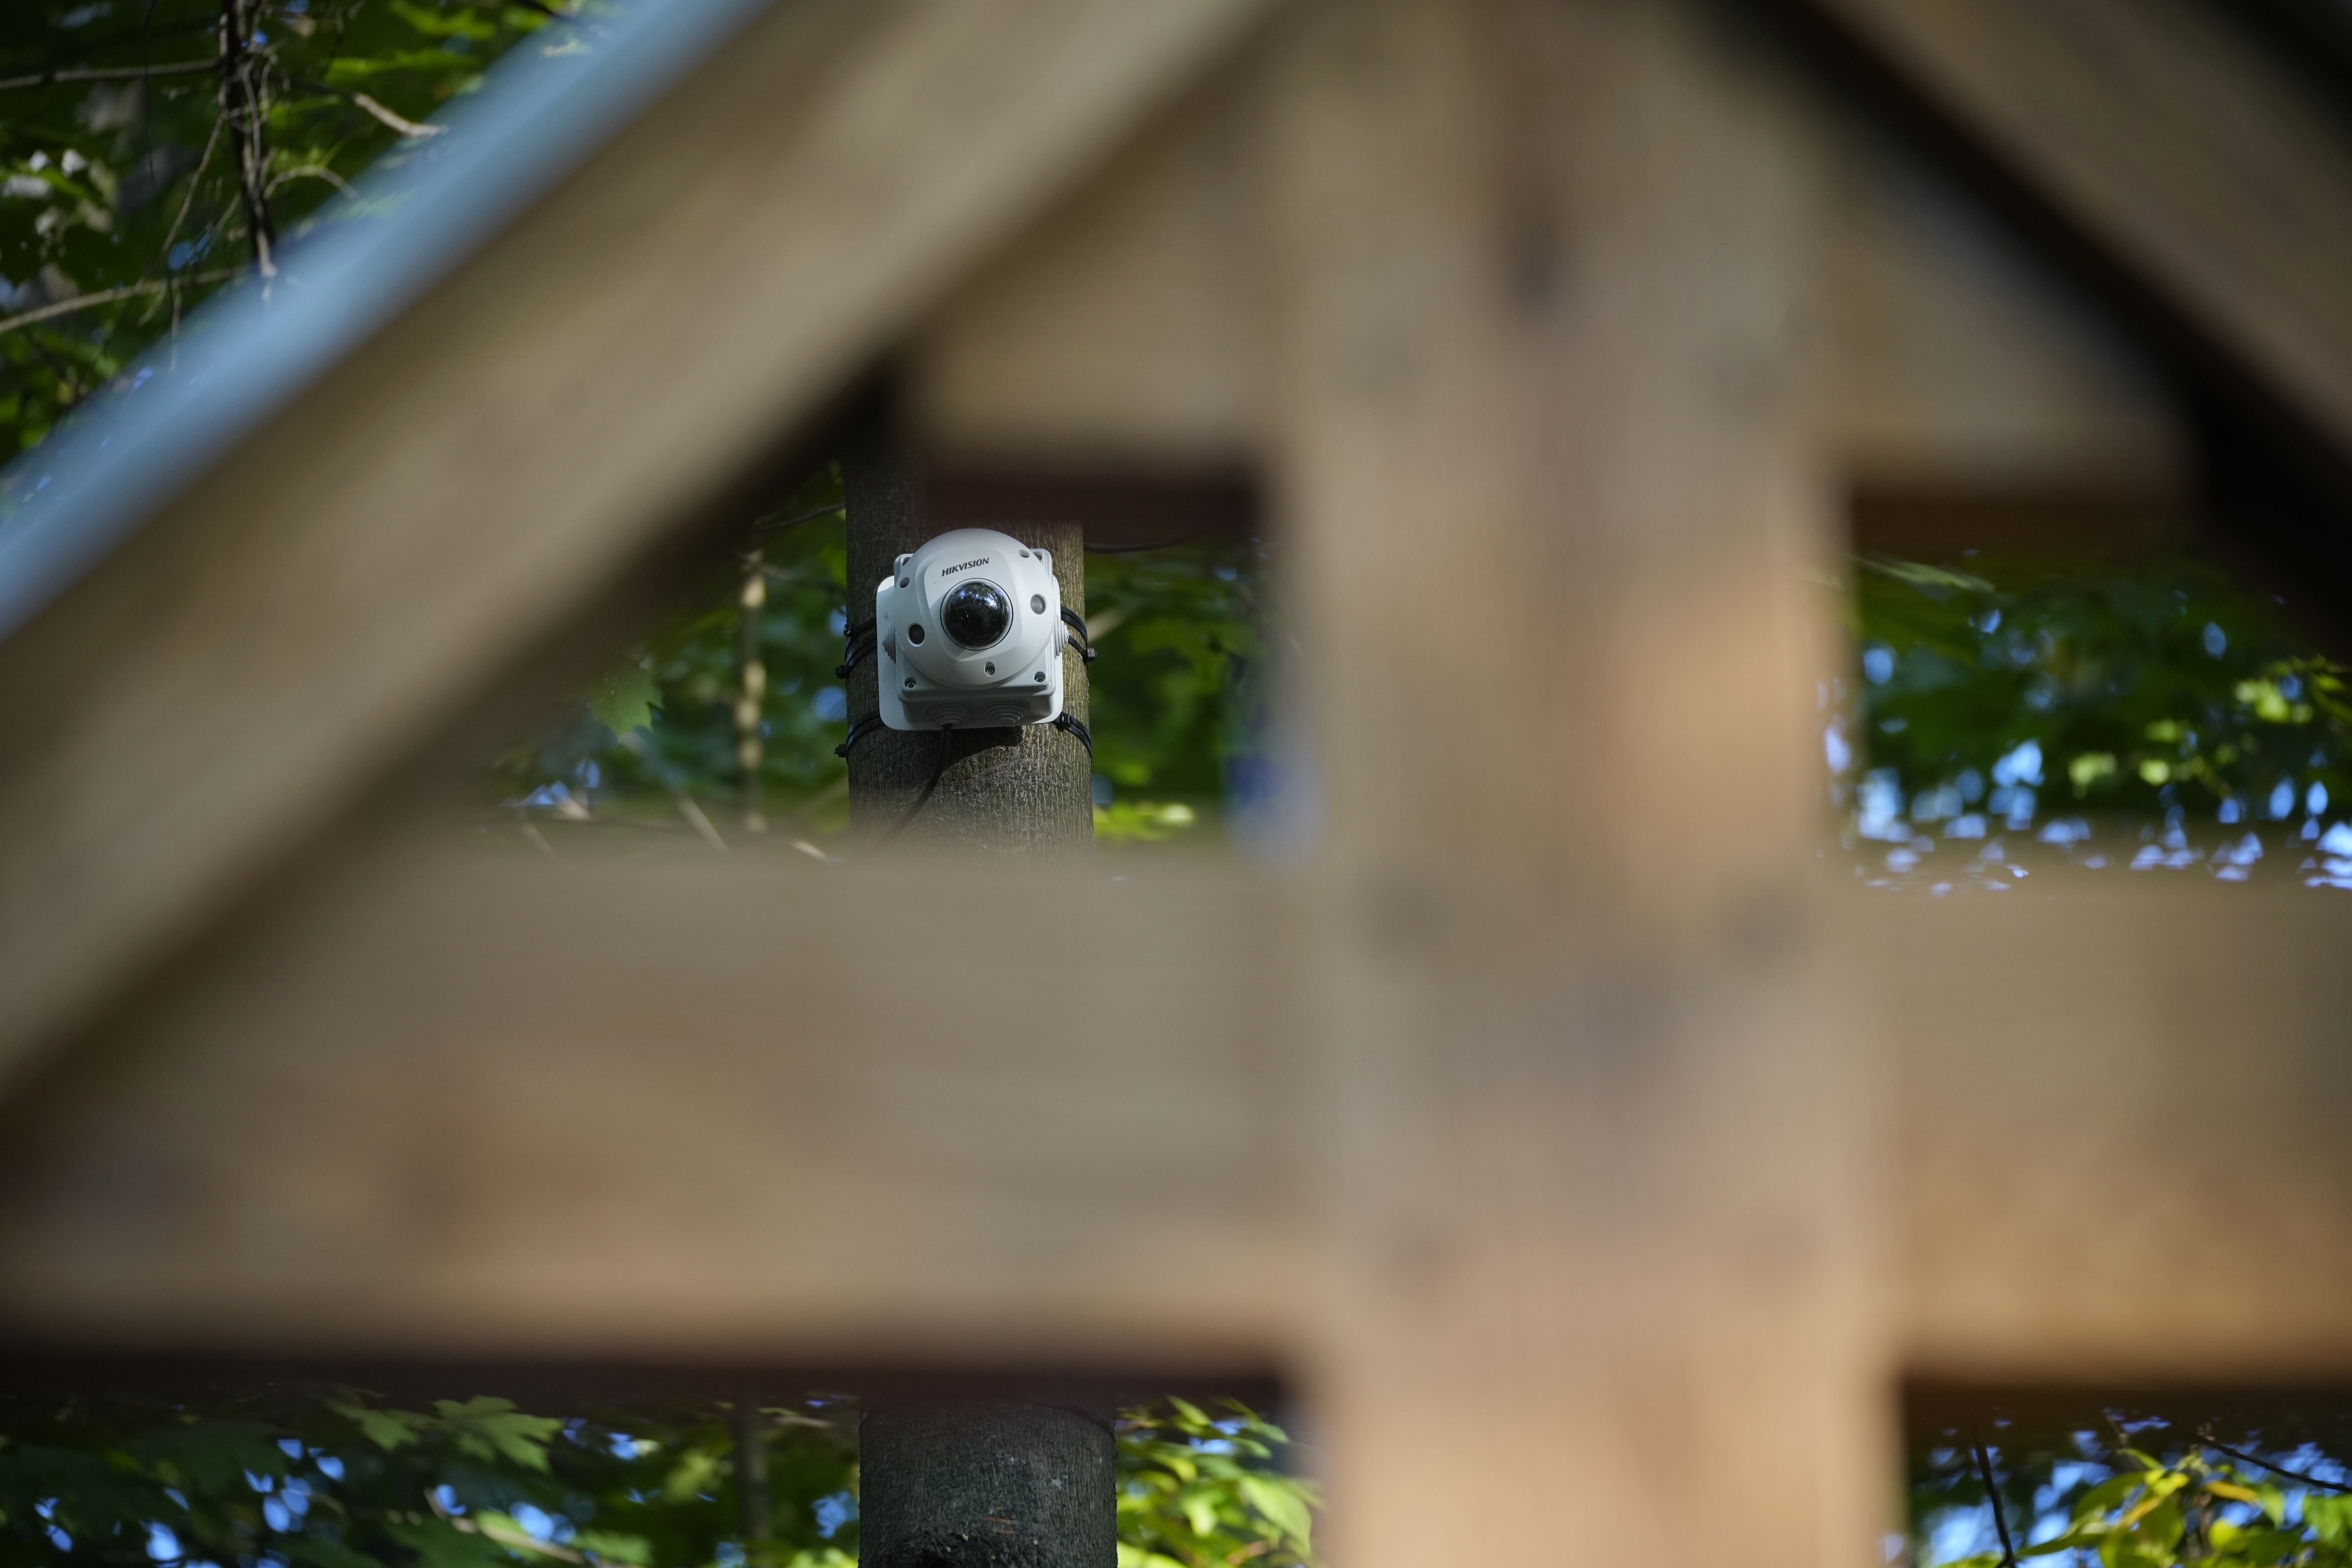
(421, 1106)
(2195, 166)
(2121, 1135)
(450, 1099)
(1965, 364)
(1597, 1185)
(631, 361)
(1129, 329)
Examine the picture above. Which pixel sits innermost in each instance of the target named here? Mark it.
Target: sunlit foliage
(1178, 692)
(335, 1479)
(659, 724)
(121, 193)
(1202, 1491)
(2009, 689)
(2137, 1494)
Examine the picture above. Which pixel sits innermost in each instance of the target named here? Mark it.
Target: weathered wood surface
(1596, 1178)
(1960, 363)
(2121, 1136)
(2163, 132)
(1130, 329)
(625, 363)
(1130, 332)
(457, 1101)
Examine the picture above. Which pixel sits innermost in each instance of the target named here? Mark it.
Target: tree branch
(809, 516)
(310, 171)
(360, 100)
(195, 180)
(2206, 1438)
(243, 81)
(110, 73)
(1992, 1495)
(108, 297)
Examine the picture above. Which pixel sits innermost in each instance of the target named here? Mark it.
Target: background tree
(154, 151)
(328, 1477)
(2136, 1490)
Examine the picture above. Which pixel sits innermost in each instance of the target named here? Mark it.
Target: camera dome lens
(976, 615)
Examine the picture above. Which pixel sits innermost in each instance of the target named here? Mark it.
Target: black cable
(1070, 724)
(947, 754)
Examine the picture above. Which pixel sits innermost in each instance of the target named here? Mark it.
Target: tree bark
(998, 1484)
(1011, 792)
(751, 1521)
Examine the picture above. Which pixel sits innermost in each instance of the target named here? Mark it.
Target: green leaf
(487, 1428)
(322, 1553)
(614, 1547)
(1923, 576)
(438, 1543)
(2067, 1541)
(462, 23)
(216, 1456)
(2153, 1541)
(2329, 1516)
(2108, 1494)
(1279, 1500)
(696, 1470)
(625, 698)
(387, 1429)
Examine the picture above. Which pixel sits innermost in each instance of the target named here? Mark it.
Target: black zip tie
(860, 643)
(1069, 723)
(1077, 623)
(866, 726)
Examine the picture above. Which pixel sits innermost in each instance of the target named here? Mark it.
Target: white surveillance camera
(970, 633)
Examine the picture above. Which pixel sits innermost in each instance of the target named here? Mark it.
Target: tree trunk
(751, 1521)
(999, 1484)
(1007, 791)
(965, 1485)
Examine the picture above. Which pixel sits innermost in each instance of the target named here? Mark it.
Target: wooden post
(979, 1484)
(1009, 791)
(1543, 275)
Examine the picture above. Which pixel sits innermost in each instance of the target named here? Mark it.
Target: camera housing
(969, 633)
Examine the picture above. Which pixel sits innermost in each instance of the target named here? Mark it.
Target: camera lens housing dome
(997, 656)
(976, 614)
